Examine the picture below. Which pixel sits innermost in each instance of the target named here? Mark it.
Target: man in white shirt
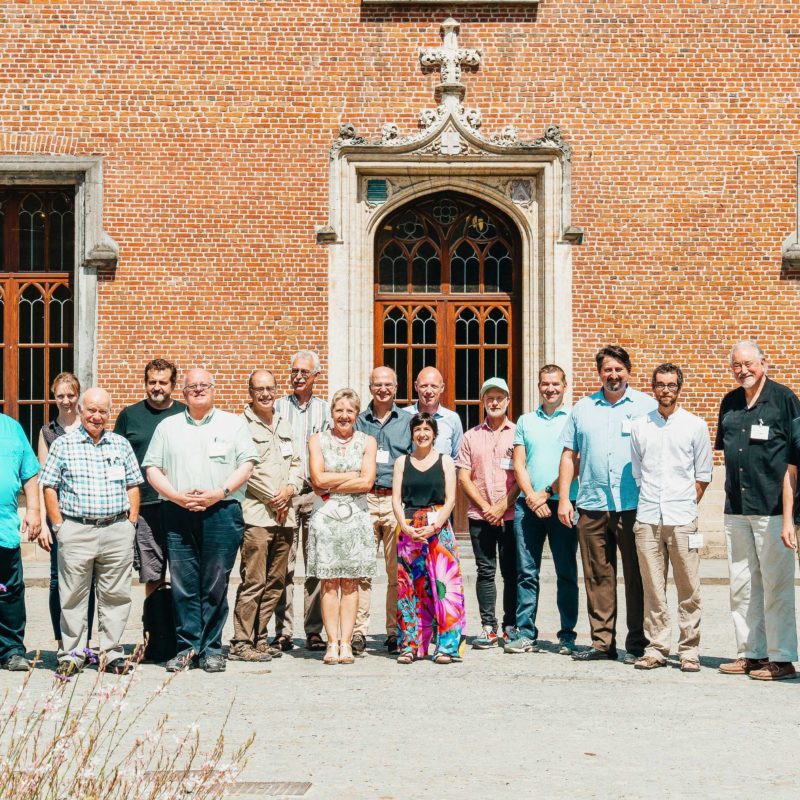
(671, 462)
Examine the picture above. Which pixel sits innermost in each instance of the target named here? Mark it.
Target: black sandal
(283, 643)
(315, 642)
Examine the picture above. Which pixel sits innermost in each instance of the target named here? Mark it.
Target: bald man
(91, 492)
(430, 387)
(199, 462)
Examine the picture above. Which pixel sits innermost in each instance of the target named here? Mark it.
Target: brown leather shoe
(742, 666)
(775, 671)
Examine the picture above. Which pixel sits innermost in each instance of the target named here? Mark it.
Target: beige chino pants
(658, 546)
(385, 526)
(106, 551)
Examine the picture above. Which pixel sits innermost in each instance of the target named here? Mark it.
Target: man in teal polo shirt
(537, 454)
(599, 434)
(18, 470)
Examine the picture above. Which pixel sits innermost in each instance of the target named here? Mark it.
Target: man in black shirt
(137, 424)
(754, 431)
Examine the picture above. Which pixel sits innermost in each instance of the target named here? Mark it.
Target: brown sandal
(405, 658)
(442, 658)
(689, 665)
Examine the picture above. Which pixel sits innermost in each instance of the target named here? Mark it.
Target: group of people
(178, 489)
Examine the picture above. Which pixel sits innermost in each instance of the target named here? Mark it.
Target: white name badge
(626, 426)
(217, 450)
(506, 463)
(116, 473)
(695, 541)
(382, 457)
(432, 517)
(759, 432)
(286, 449)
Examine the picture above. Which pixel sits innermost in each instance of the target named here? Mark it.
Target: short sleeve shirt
(540, 435)
(601, 432)
(202, 454)
(794, 460)
(755, 460)
(18, 465)
(393, 437)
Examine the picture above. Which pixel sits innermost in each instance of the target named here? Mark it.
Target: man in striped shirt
(306, 415)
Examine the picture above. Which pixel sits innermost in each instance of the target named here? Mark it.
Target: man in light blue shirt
(598, 436)
(430, 386)
(18, 470)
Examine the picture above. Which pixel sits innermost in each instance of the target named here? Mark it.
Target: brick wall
(215, 120)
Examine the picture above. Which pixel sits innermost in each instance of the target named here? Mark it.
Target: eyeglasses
(666, 387)
(258, 390)
(303, 373)
(198, 387)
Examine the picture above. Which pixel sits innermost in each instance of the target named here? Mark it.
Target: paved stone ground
(497, 725)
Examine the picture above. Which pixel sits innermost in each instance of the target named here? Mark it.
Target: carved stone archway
(529, 180)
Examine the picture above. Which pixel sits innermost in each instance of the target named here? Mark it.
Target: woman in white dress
(341, 543)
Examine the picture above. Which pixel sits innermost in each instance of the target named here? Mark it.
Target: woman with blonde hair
(341, 543)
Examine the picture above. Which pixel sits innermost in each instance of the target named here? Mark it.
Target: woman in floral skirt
(341, 544)
(430, 590)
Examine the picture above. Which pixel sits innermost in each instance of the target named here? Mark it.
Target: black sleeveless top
(51, 432)
(421, 489)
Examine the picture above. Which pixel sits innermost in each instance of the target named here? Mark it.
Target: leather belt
(380, 491)
(98, 522)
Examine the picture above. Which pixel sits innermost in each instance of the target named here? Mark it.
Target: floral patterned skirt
(430, 592)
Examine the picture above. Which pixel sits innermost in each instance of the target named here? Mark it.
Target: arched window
(37, 246)
(447, 288)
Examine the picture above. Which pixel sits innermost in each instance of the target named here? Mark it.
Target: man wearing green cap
(486, 474)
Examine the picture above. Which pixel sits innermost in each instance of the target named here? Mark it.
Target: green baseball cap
(495, 383)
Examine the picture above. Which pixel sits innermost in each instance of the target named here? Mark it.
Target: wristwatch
(225, 492)
(549, 490)
(56, 527)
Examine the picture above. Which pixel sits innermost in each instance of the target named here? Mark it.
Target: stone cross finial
(449, 59)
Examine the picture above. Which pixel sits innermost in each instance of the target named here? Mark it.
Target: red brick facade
(215, 121)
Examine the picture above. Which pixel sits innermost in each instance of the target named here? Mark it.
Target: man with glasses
(269, 521)
(672, 465)
(199, 462)
(754, 431)
(306, 415)
(387, 423)
(137, 423)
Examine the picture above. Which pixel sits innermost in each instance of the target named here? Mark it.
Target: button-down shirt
(451, 431)
(18, 465)
(754, 467)
(489, 456)
(201, 454)
(600, 432)
(91, 479)
(279, 467)
(540, 435)
(393, 437)
(667, 457)
(313, 417)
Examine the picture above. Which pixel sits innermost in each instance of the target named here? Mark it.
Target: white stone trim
(94, 248)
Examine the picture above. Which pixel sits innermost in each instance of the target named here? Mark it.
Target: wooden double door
(447, 289)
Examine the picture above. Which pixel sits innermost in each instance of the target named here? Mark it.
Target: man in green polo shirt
(199, 463)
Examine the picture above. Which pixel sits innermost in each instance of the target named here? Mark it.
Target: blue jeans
(530, 532)
(201, 551)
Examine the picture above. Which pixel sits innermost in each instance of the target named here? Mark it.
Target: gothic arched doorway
(447, 289)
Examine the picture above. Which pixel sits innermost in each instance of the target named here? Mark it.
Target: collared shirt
(451, 431)
(755, 466)
(201, 454)
(601, 432)
(91, 479)
(667, 457)
(489, 456)
(279, 467)
(313, 417)
(393, 437)
(137, 423)
(18, 465)
(794, 460)
(540, 435)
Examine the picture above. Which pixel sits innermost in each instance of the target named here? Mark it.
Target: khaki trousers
(264, 560)
(599, 535)
(385, 526)
(312, 610)
(107, 552)
(762, 588)
(657, 547)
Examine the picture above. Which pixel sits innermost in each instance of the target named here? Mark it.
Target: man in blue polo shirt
(430, 387)
(18, 469)
(599, 435)
(537, 454)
